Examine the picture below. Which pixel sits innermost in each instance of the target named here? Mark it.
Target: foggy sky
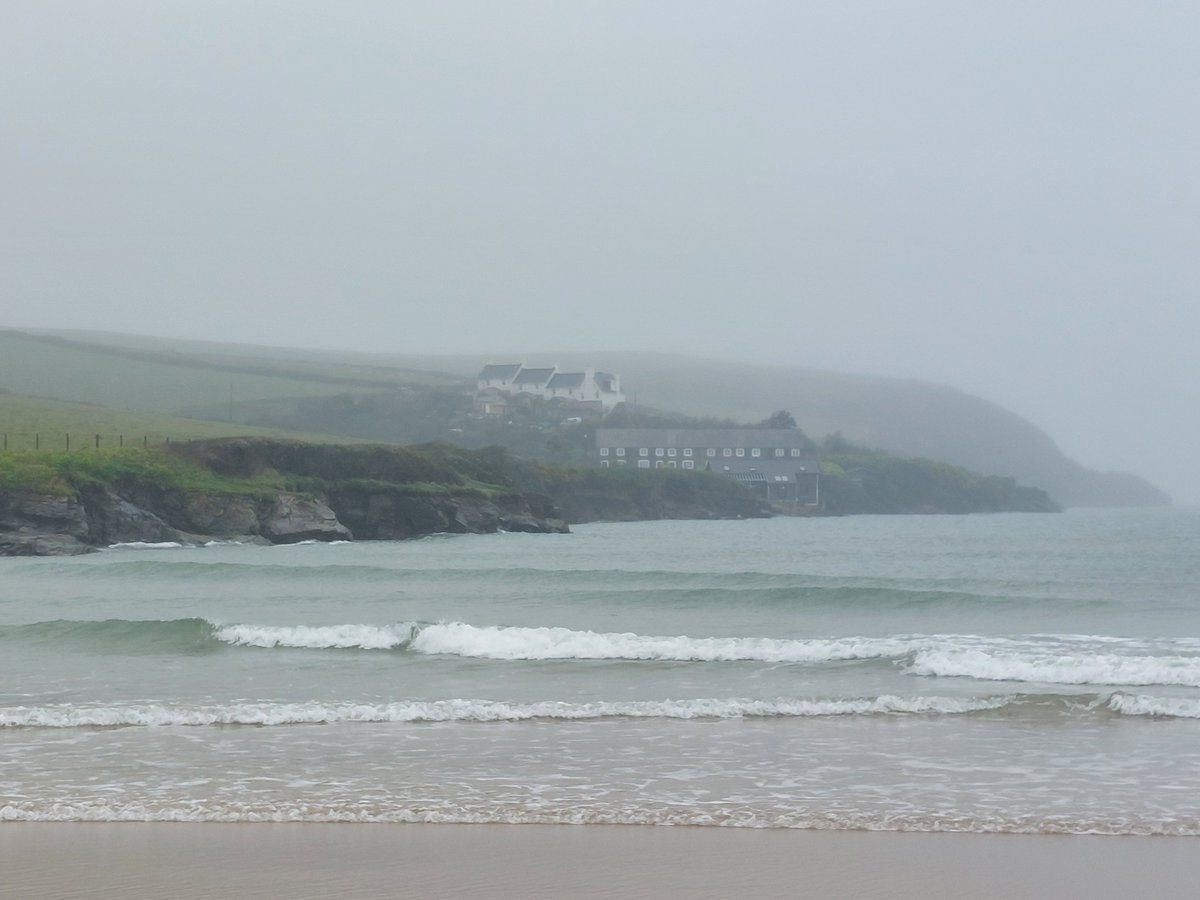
(998, 196)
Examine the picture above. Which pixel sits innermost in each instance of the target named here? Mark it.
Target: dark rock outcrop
(333, 493)
(398, 514)
(42, 525)
(33, 524)
(226, 515)
(111, 519)
(291, 518)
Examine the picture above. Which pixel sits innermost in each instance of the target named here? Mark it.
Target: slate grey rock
(291, 518)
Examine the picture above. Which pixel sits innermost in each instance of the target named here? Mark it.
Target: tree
(778, 419)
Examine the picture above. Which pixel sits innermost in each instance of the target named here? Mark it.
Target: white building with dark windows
(514, 379)
(774, 463)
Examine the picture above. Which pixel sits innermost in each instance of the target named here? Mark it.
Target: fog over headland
(1002, 197)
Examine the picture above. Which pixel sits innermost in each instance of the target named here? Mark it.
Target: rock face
(291, 518)
(370, 492)
(111, 519)
(223, 514)
(42, 525)
(392, 515)
(33, 524)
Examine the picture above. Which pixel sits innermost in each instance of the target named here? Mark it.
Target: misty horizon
(1000, 199)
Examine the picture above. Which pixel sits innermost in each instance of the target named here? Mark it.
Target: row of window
(711, 451)
(658, 463)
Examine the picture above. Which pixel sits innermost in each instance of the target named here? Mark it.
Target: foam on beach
(263, 714)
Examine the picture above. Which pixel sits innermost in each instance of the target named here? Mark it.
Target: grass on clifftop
(63, 474)
(261, 466)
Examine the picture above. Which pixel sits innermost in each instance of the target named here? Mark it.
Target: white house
(513, 379)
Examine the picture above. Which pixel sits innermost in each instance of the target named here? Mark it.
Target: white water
(932, 673)
(476, 711)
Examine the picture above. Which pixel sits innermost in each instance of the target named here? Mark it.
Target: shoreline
(131, 860)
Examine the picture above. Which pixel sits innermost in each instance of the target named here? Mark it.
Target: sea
(992, 673)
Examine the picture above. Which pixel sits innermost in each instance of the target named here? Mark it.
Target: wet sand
(184, 861)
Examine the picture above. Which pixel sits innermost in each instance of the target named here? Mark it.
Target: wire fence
(23, 441)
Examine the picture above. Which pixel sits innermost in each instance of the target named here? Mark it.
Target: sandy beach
(131, 860)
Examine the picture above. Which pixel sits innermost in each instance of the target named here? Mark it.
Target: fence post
(121, 441)
(97, 442)
(37, 441)
(68, 442)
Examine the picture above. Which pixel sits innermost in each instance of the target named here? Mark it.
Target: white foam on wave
(499, 642)
(315, 637)
(1069, 668)
(1046, 659)
(710, 816)
(146, 545)
(313, 713)
(1158, 707)
(519, 643)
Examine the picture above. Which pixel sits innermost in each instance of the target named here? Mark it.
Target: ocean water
(986, 673)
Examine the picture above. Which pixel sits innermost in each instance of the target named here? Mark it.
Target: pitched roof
(533, 376)
(566, 381)
(504, 371)
(606, 381)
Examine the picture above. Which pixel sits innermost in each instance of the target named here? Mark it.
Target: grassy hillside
(856, 481)
(23, 417)
(903, 418)
(172, 383)
(369, 369)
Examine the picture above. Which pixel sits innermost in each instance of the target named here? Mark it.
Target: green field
(349, 368)
(174, 383)
(29, 422)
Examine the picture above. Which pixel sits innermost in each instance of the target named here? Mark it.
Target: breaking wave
(314, 713)
(1079, 667)
(1156, 707)
(495, 642)
(1044, 659)
(318, 637)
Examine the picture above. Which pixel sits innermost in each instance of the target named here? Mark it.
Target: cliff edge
(256, 491)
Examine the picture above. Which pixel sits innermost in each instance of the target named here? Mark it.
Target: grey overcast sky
(1000, 196)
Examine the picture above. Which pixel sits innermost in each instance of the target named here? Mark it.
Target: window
(620, 462)
(644, 452)
(658, 464)
(779, 452)
(688, 464)
(756, 453)
(795, 451)
(620, 451)
(727, 452)
(711, 451)
(643, 463)
(741, 452)
(687, 451)
(670, 451)
(604, 451)
(671, 464)
(658, 451)
(604, 463)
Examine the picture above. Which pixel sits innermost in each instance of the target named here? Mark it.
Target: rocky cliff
(160, 498)
(36, 524)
